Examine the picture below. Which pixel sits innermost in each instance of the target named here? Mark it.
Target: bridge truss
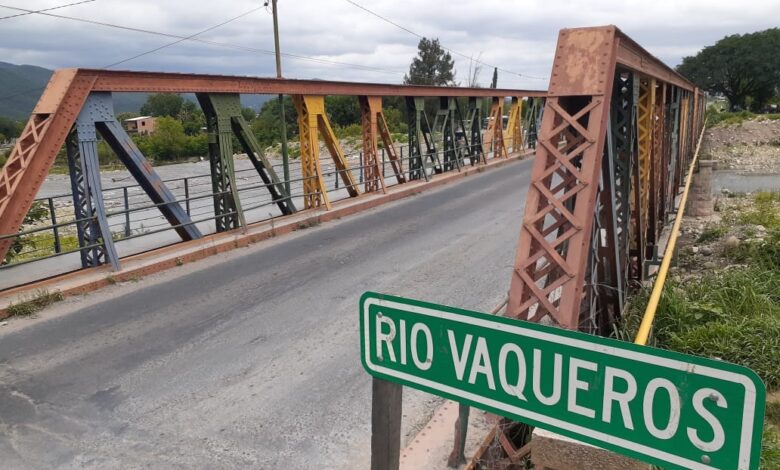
(617, 135)
(76, 108)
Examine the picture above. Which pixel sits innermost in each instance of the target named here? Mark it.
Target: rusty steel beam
(161, 82)
(56, 111)
(552, 262)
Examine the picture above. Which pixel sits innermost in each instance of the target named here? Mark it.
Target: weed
(40, 300)
(733, 315)
(766, 212)
(733, 119)
(770, 449)
(179, 261)
(308, 223)
(711, 234)
(111, 279)
(773, 411)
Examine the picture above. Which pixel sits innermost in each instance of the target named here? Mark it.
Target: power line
(213, 43)
(151, 51)
(45, 9)
(403, 28)
(143, 53)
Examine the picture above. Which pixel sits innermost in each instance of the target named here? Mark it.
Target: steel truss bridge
(616, 133)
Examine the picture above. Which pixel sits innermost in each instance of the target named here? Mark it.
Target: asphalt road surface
(251, 359)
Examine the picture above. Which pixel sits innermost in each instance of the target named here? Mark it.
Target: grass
(38, 302)
(711, 233)
(308, 223)
(732, 119)
(39, 245)
(732, 315)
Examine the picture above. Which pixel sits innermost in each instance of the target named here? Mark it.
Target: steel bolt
(705, 459)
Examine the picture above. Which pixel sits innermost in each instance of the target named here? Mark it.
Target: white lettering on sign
(459, 359)
(416, 329)
(674, 408)
(517, 388)
(575, 384)
(622, 398)
(719, 437)
(385, 338)
(472, 363)
(403, 341)
(481, 364)
(555, 395)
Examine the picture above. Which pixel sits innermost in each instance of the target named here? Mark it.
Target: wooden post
(385, 425)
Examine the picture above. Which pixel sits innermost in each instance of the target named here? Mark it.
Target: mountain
(22, 85)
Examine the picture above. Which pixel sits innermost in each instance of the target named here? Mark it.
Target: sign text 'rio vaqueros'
(670, 409)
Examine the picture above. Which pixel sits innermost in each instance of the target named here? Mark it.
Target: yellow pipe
(652, 305)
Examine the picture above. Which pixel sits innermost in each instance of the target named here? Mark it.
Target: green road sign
(662, 407)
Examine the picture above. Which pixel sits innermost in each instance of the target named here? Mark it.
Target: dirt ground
(751, 147)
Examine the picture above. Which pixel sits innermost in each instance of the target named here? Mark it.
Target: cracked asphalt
(249, 359)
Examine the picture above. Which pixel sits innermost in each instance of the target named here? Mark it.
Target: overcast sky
(518, 36)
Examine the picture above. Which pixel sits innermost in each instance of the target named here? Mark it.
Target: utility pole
(285, 157)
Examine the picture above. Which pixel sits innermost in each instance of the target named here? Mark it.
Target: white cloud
(512, 34)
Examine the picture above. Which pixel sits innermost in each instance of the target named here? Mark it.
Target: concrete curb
(164, 258)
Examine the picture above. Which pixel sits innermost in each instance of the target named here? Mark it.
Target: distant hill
(22, 85)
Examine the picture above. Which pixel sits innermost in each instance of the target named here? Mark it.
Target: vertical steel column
(533, 121)
(419, 134)
(444, 132)
(389, 147)
(370, 108)
(494, 136)
(645, 126)
(552, 255)
(312, 120)
(225, 121)
(615, 201)
(674, 150)
(514, 126)
(474, 125)
(92, 227)
(227, 205)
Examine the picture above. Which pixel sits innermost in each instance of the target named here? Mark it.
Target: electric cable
(403, 28)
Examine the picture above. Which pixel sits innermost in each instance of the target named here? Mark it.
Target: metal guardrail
(132, 215)
(643, 334)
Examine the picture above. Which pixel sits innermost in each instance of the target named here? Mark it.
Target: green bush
(737, 341)
(352, 130)
(733, 315)
(197, 145)
(711, 234)
(715, 118)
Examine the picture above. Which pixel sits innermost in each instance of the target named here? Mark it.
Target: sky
(348, 43)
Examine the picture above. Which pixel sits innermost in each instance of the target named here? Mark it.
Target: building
(142, 125)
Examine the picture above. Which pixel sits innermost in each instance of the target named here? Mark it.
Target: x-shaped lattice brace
(420, 134)
(375, 127)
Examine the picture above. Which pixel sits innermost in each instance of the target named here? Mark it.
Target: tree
(163, 104)
(475, 68)
(248, 114)
(168, 140)
(432, 66)
(745, 68)
(192, 118)
(122, 117)
(343, 110)
(10, 128)
(267, 126)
